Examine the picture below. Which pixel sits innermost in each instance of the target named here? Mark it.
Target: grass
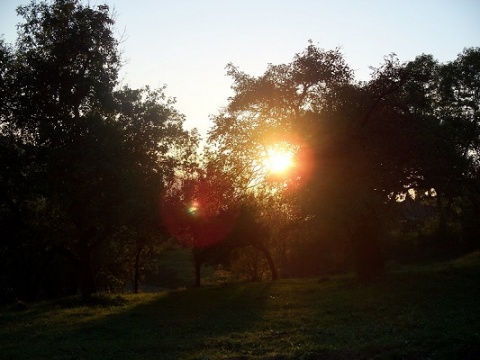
(420, 312)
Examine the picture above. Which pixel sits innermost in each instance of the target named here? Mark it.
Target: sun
(278, 160)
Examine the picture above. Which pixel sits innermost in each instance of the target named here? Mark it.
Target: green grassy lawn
(423, 312)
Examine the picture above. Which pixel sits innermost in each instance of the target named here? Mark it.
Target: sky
(186, 44)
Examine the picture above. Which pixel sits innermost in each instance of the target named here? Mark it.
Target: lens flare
(278, 160)
(193, 208)
(194, 217)
(286, 162)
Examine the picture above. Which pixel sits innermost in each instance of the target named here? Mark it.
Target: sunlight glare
(278, 160)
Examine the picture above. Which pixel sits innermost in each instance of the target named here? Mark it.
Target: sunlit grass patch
(417, 312)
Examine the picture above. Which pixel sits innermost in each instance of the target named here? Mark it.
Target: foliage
(96, 176)
(359, 146)
(87, 162)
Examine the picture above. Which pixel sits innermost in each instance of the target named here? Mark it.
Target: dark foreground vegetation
(430, 311)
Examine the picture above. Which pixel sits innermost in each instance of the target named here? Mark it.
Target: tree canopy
(91, 159)
(303, 172)
(414, 126)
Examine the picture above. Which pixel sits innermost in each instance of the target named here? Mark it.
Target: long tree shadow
(424, 312)
(172, 325)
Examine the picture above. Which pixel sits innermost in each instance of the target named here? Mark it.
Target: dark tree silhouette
(94, 159)
(369, 142)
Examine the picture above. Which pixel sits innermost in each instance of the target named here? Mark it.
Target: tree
(279, 107)
(457, 104)
(156, 146)
(67, 61)
(368, 142)
(197, 212)
(97, 158)
(251, 231)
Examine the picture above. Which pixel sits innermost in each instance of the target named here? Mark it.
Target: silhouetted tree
(95, 158)
(196, 212)
(368, 142)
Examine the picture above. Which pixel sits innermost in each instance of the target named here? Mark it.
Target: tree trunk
(39, 277)
(86, 278)
(197, 263)
(368, 257)
(443, 232)
(198, 267)
(136, 276)
(269, 258)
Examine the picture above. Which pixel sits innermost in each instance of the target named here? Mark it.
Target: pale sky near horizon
(186, 44)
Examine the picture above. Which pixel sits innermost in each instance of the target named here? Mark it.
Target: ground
(429, 311)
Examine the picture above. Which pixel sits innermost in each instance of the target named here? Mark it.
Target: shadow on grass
(172, 325)
(423, 312)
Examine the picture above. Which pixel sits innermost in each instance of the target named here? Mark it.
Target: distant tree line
(96, 177)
